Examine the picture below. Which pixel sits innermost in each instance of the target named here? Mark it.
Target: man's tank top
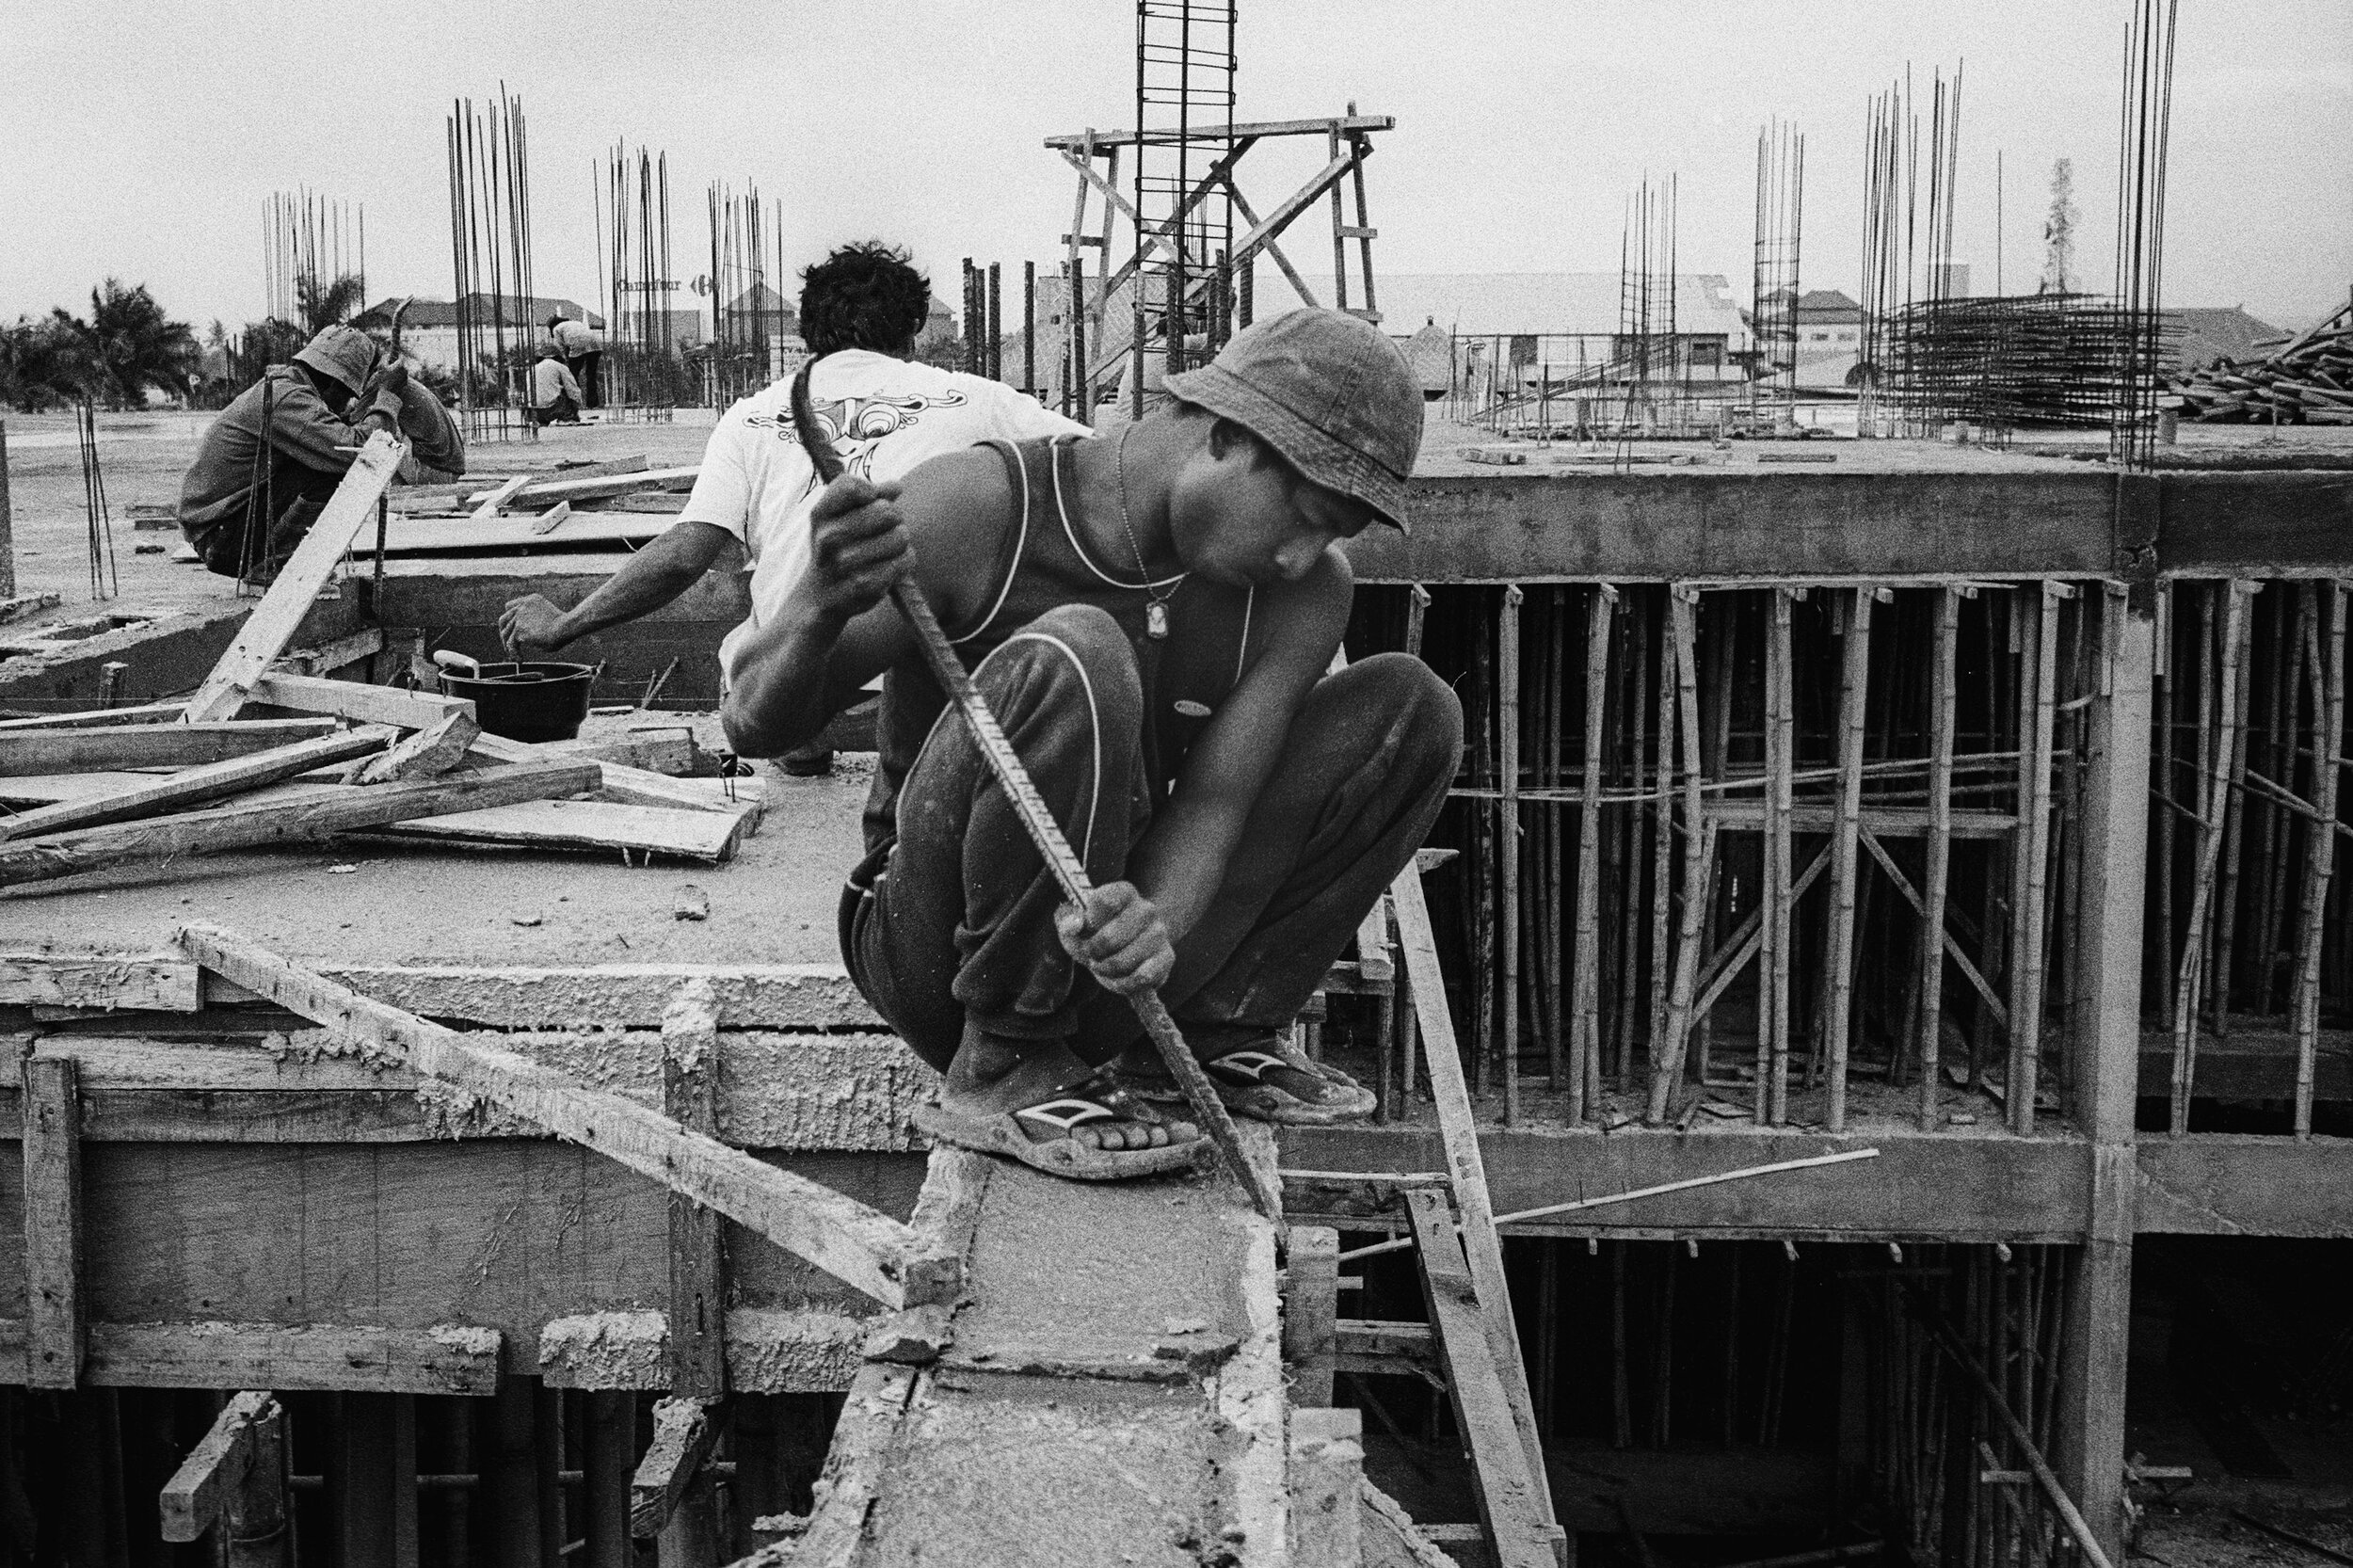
(1041, 564)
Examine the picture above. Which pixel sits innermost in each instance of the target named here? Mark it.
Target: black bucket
(539, 701)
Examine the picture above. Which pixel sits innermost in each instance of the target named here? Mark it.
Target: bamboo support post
(2026, 974)
(1636, 683)
(1662, 845)
(2320, 861)
(1698, 848)
(1549, 998)
(2221, 706)
(1853, 691)
(1508, 841)
(1585, 1033)
(2162, 693)
(2233, 831)
(1934, 883)
(1772, 1043)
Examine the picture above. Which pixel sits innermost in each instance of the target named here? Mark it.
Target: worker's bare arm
(672, 563)
(1182, 858)
(837, 630)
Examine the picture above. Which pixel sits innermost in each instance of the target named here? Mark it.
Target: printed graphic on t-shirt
(856, 424)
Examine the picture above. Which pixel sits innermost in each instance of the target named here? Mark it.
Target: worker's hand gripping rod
(1013, 778)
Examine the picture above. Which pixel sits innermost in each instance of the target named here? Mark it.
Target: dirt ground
(142, 458)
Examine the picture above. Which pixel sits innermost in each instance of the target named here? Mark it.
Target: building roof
(1524, 303)
(762, 299)
(2209, 333)
(1827, 305)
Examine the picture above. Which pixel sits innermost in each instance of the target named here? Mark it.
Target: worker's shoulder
(969, 487)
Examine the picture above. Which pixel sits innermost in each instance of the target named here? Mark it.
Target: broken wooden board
(45, 976)
(155, 798)
(709, 837)
(506, 534)
(769, 1350)
(316, 815)
(450, 1359)
(625, 785)
(47, 789)
(355, 700)
(1113, 1392)
(96, 718)
(148, 746)
(858, 1245)
(274, 622)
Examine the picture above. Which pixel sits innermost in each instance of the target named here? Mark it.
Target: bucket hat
(344, 353)
(1330, 392)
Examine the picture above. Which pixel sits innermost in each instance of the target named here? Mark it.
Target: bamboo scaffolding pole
(2163, 695)
(1942, 697)
(1773, 1045)
(1662, 845)
(1699, 851)
(2221, 706)
(1637, 682)
(2320, 864)
(2025, 1012)
(2233, 831)
(2281, 707)
(1717, 757)
(1507, 762)
(1853, 694)
(1476, 875)
(1585, 1032)
(1550, 823)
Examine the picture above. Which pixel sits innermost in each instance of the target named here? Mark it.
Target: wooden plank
(1347, 125)
(1465, 1165)
(163, 982)
(684, 1432)
(56, 1328)
(855, 1243)
(452, 1359)
(273, 624)
(709, 837)
(616, 995)
(425, 754)
(177, 792)
(357, 701)
(515, 532)
(341, 652)
(309, 819)
(624, 785)
(856, 1464)
(215, 1470)
(698, 1263)
(148, 746)
(97, 718)
(1311, 1308)
(1510, 1501)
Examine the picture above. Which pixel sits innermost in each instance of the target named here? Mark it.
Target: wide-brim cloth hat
(344, 353)
(1328, 391)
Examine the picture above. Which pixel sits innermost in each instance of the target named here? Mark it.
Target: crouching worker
(1151, 618)
(273, 457)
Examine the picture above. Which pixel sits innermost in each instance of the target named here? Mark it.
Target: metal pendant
(1156, 620)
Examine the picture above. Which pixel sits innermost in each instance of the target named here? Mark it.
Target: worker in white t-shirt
(861, 309)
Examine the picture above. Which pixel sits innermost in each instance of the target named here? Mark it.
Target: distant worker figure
(554, 395)
(861, 309)
(243, 516)
(582, 347)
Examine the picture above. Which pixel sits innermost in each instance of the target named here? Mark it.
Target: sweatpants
(955, 919)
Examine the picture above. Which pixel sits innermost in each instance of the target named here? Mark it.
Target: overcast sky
(143, 139)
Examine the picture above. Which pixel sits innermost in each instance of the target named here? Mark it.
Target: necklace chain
(1156, 606)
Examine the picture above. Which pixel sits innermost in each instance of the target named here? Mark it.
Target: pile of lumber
(589, 504)
(2307, 380)
(229, 768)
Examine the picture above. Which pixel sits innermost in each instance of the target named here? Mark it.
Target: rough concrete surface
(774, 903)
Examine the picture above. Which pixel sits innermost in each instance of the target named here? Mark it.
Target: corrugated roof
(1521, 303)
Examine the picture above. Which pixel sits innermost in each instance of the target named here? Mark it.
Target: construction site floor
(372, 901)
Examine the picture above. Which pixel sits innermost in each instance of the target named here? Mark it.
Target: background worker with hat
(1151, 615)
(554, 395)
(243, 512)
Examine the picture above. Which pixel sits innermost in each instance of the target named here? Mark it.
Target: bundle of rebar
(489, 222)
(1780, 212)
(309, 244)
(642, 373)
(1893, 279)
(746, 315)
(2307, 380)
(2144, 132)
(2028, 360)
(104, 583)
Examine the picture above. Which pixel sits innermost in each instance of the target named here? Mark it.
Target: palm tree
(44, 362)
(324, 304)
(134, 345)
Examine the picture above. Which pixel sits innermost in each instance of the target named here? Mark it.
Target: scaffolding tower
(1184, 123)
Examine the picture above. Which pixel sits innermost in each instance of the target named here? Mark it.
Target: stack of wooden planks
(2308, 382)
(596, 504)
(164, 781)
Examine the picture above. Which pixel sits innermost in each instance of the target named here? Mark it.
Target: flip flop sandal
(1002, 1133)
(1241, 1080)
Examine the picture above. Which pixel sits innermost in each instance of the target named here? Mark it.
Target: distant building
(1561, 330)
(1829, 338)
